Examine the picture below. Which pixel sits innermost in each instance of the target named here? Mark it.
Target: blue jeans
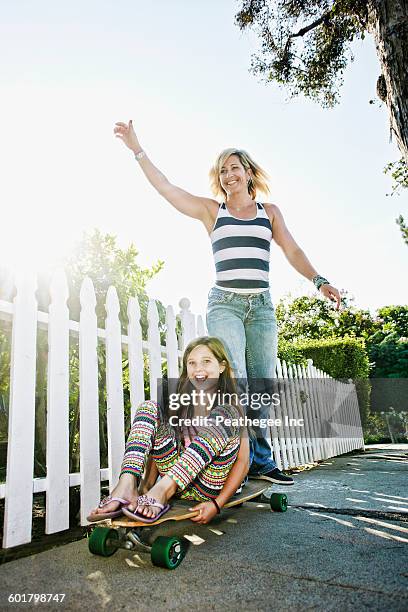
(246, 324)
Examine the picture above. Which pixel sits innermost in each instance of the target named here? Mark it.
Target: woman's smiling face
(203, 368)
(233, 176)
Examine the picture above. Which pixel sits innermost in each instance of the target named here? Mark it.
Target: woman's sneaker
(275, 476)
(242, 485)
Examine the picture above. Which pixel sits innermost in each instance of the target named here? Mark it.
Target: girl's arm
(196, 207)
(294, 253)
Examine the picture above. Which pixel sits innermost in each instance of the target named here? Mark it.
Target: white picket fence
(293, 445)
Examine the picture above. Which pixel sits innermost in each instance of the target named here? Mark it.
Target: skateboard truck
(167, 552)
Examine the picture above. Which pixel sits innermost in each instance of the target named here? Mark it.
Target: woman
(240, 311)
(205, 461)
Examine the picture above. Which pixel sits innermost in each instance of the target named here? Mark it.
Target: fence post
(57, 499)
(288, 372)
(114, 387)
(20, 450)
(90, 475)
(286, 412)
(135, 354)
(314, 410)
(302, 409)
(201, 329)
(188, 332)
(171, 345)
(153, 339)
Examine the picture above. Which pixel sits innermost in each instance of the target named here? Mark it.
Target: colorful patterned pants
(201, 469)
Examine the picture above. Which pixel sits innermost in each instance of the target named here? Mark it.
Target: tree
(306, 46)
(385, 335)
(98, 257)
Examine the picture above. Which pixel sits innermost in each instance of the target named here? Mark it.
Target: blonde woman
(240, 311)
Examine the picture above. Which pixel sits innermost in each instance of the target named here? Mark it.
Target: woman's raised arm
(196, 207)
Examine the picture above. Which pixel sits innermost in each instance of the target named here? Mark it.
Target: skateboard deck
(168, 552)
(179, 510)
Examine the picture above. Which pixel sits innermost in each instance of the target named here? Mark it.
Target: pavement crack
(331, 582)
(391, 516)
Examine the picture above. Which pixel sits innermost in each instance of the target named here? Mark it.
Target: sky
(180, 70)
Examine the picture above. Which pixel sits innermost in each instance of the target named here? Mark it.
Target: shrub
(341, 358)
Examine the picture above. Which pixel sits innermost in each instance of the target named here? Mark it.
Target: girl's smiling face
(203, 368)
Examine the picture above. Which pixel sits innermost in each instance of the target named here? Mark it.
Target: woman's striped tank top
(241, 249)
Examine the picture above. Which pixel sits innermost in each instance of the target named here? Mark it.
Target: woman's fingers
(335, 297)
(121, 124)
(332, 293)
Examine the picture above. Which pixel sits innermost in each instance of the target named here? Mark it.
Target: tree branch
(304, 31)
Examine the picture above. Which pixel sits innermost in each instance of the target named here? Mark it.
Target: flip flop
(93, 518)
(147, 501)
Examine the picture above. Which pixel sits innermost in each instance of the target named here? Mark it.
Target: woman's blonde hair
(257, 182)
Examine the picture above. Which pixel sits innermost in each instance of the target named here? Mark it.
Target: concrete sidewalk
(342, 545)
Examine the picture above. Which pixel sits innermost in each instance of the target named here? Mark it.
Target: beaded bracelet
(318, 281)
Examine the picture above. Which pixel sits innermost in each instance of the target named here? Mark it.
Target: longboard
(178, 511)
(168, 552)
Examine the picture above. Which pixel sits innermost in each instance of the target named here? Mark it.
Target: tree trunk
(388, 23)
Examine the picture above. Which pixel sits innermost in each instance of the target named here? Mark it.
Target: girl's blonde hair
(257, 182)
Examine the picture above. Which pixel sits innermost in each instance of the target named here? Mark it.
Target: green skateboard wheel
(167, 552)
(278, 502)
(99, 541)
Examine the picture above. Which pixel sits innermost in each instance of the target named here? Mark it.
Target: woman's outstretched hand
(207, 512)
(332, 293)
(127, 134)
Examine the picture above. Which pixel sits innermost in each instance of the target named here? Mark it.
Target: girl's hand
(126, 133)
(207, 512)
(332, 293)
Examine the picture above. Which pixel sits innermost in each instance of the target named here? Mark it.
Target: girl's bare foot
(162, 491)
(126, 489)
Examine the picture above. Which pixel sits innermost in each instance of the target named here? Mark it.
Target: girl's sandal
(101, 516)
(144, 500)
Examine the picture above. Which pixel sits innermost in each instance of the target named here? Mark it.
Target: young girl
(240, 311)
(205, 462)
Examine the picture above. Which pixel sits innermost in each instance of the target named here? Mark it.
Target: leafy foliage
(98, 257)
(314, 318)
(399, 174)
(305, 45)
(342, 358)
(403, 227)
(350, 343)
(390, 357)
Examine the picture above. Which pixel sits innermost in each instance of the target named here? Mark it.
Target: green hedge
(340, 358)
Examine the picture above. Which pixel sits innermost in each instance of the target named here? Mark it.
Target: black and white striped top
(241, 249)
